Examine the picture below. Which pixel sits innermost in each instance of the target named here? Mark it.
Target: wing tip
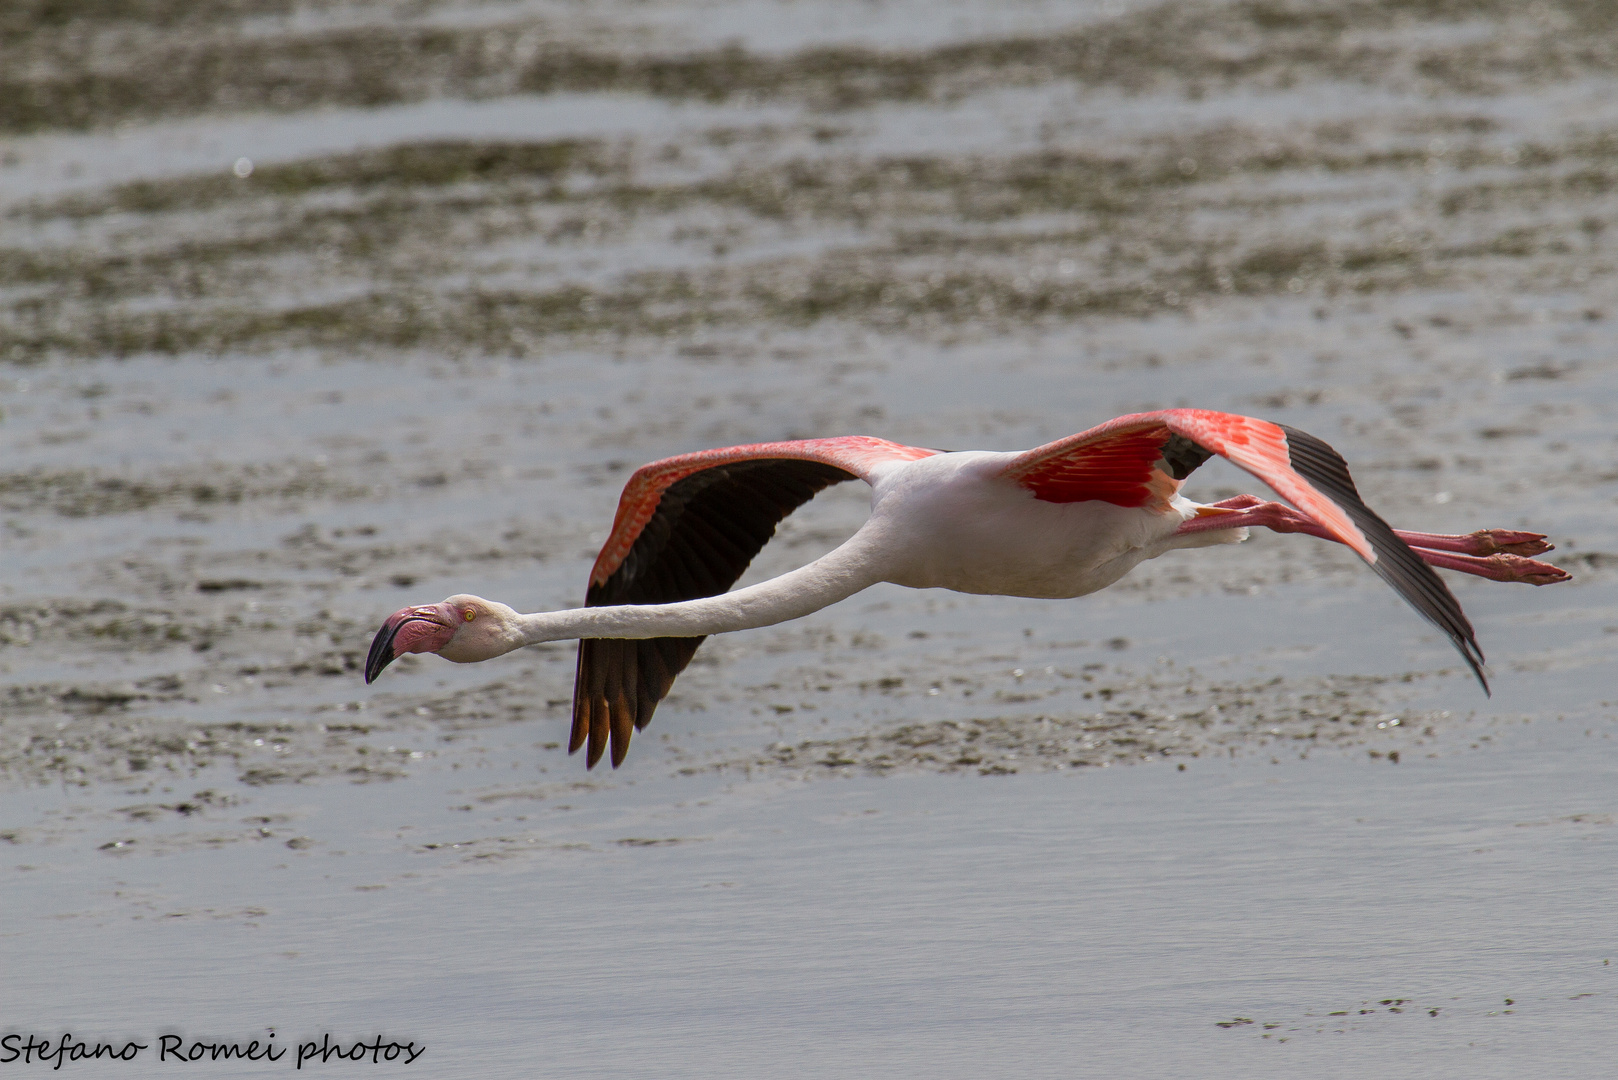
(1323, 469)
(1475, 660)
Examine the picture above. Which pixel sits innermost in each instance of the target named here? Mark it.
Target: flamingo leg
(1482, 542)
(1496, 554)
(1501, 566)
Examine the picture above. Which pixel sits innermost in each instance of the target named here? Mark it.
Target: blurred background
(311, 310)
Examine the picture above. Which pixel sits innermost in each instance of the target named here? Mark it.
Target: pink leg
(1496, 554)
(1482, 542)
(1249, 511)
(1501, 566)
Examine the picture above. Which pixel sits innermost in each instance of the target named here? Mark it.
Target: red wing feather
(1119, 469)
(1117, 462)
(1121, 462)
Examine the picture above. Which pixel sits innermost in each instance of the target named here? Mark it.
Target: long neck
(834, 576)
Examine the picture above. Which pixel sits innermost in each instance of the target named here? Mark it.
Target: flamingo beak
(415, 629)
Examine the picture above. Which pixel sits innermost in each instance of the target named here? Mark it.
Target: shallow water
(1240, 918)
(418, 348)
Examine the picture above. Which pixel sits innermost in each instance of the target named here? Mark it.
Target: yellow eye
(470, 614)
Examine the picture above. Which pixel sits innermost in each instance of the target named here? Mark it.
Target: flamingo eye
(470, 614)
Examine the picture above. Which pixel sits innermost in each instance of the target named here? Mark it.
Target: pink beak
(415, 629)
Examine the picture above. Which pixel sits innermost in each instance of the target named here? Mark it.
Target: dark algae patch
(87, 67)
(418, 241)
(85, 493)
(1141, 719)
(429, 164)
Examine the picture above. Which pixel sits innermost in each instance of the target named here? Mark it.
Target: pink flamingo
(1061, 520)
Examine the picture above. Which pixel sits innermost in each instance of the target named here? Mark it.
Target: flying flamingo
(1061, 520)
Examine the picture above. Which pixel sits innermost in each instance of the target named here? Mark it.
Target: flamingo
(1062, 520)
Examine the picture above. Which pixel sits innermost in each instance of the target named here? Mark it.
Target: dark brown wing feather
(706, 529)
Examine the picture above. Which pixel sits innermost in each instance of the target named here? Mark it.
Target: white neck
(835, 576)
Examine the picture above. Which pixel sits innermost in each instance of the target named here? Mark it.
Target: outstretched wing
(1139, 460)
(687, 527)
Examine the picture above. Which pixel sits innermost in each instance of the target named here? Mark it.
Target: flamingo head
(463, 628)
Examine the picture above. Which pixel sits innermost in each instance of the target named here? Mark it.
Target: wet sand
(309, 311)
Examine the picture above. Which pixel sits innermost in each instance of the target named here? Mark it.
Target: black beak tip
(381, 653)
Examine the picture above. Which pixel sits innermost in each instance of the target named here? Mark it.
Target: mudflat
(309, 311)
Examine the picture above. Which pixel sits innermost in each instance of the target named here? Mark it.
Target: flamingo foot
(1501, 566)
(1482, 542)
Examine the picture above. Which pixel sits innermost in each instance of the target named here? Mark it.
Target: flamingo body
(1059, 521)
(955, 521)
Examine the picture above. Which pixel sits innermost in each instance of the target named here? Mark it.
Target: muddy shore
(251, 408)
